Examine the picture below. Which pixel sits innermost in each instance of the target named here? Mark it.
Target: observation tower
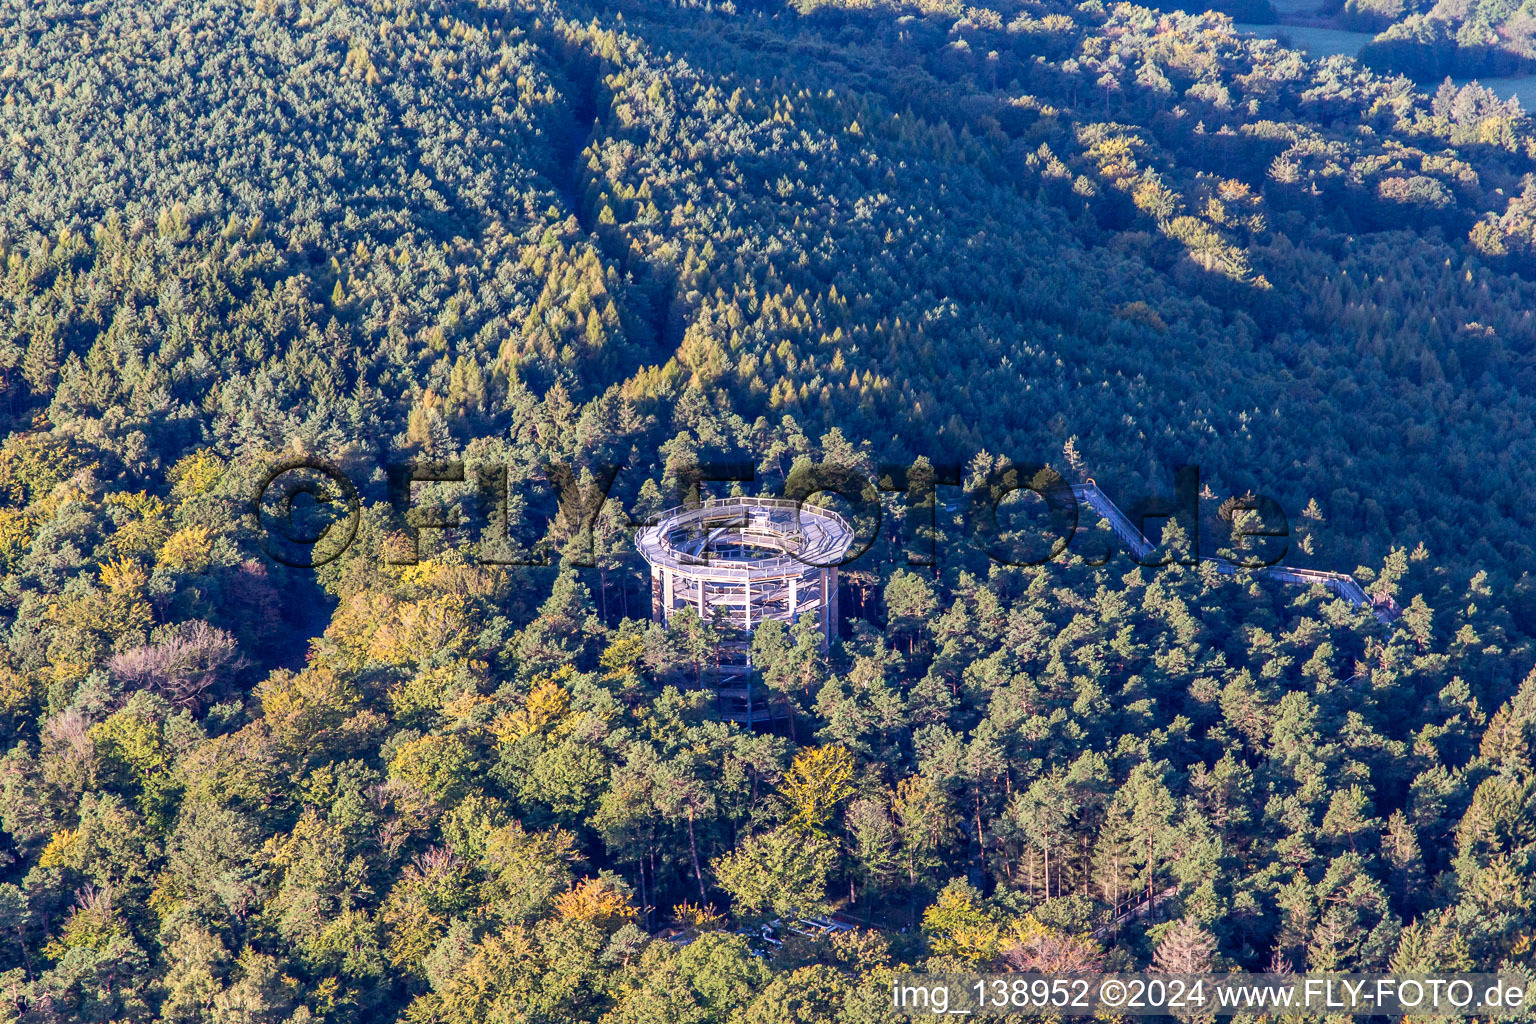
(739, 562)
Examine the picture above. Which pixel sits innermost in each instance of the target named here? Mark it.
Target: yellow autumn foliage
(423, 693)
(622, 654)
(440, 766)
(697, 918)
(445, 575)
(15, 536)
(596, 901)
(380, 627)
(123, 576)
(959, 926)
(467, 709)
(16, 693)
(300, 706)
(195, 474)
(355, 621)
(548, 702)
(977, 943)
(121, 610)
(59, 852)
(1026, 929)
(146, 526)
(819, 779)
(417, 629)
(419, 575)
(187, 550)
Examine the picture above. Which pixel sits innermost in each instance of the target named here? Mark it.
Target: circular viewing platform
(746, 538)
(739, 562)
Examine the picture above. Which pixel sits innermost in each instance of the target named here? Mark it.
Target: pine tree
(1347, 820)
(1074, 460)
(1187, 948)
(1114, 857)
(1508, 739)
(40, 366)
(1405, 862)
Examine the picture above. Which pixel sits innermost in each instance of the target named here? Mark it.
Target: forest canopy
(524, 234)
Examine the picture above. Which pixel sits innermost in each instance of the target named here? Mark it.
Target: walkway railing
(1340, 584)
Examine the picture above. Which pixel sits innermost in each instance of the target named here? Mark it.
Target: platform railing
(654, 545)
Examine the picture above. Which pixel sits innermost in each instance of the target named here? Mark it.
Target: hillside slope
(530, 235)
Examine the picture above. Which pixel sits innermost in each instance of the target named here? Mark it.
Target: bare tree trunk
(693, 847)
(645, 906)
(981, 845)
(1149, 865)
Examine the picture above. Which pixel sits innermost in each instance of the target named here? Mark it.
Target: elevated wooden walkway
(1142, 909)
(734, 702)
(1340, 584)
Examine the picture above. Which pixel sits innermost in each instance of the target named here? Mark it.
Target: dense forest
(544, 238)
(1445, 38)
(1427, 40)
